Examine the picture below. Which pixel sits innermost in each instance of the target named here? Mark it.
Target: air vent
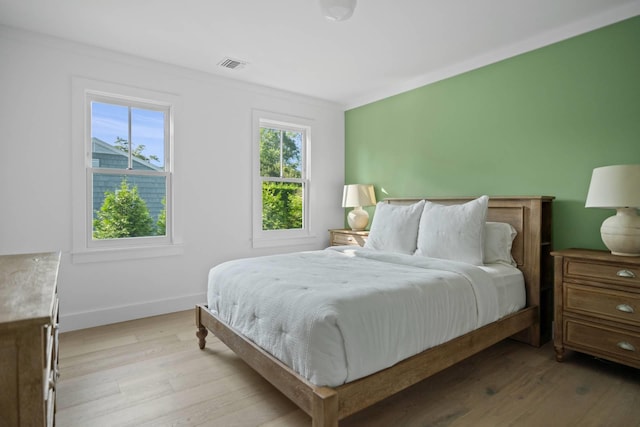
(232, 64)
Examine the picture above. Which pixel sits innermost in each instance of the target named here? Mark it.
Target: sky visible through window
(110, 122)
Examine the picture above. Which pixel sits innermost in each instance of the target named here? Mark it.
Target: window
(128, 175)
(281, 179)
(122, 170)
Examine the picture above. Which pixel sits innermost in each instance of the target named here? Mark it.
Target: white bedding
(342, 313)
(509, 284)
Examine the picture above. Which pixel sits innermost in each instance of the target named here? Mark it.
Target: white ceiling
(387, 47)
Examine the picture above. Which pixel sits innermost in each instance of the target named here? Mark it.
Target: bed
(340, 397)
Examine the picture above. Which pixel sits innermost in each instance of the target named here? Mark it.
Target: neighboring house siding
(150, 188)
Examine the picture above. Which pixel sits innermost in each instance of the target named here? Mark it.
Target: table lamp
(618, 187)
(356, 196)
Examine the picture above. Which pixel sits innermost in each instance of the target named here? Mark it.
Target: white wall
(212, 180)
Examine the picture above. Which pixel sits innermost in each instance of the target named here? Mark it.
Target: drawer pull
(626, 273)
(626, 346)
(625, 308)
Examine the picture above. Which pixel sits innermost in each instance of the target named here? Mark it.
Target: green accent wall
(534, 124)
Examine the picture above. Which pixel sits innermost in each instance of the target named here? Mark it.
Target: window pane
(292, 155)
(109, 135)
(281, 205)
(128, 206)
(270, 152)
(147, 138)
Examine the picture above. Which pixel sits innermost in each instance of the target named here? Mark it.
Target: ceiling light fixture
(338, 10)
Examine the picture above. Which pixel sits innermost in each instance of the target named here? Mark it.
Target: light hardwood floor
(150, 372)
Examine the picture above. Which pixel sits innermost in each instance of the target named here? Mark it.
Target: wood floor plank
(97, 361)
(93, 412)
(150, 372)
(292, 419)
(90, 390)
(621, 404)
(236, 407)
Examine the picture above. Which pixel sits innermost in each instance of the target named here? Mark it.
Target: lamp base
(621, 232)
(358, 219)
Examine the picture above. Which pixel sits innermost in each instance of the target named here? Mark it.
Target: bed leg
(324, 408)
(201, 333)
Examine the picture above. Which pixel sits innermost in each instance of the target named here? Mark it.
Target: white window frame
(85, 248)
(266, 238)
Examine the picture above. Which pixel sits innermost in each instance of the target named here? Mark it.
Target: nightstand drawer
(345, 239)
(601, 339)
(622, 306)
(619, 273)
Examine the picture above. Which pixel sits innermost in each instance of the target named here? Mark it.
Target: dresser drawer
(48, 358)
(618, 273)
(618, 305)
(51, 409)
(50, 370)
(602, 340)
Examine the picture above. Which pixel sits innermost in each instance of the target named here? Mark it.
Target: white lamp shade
(338, 10)
(614, 187)
(355, 195)
(618, 187)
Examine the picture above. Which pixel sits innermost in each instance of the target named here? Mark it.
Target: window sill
(124, 253)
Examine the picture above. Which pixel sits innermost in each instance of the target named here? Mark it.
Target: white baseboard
(89, 319)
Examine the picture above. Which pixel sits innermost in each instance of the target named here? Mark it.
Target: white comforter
(340, 314)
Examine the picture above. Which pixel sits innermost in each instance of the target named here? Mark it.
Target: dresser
(347, 237)
(597, 305)
(28, 339)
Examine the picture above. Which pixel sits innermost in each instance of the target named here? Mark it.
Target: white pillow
(498, 238)
(395, 227)
(454, 232)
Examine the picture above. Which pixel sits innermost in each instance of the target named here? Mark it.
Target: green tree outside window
(123, 214)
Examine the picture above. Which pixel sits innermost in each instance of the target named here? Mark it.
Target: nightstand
(346, 237)
(597, 305)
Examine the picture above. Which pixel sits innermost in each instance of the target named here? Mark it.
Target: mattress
(342, 313)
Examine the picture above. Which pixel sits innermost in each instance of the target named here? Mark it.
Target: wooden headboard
(531, 217)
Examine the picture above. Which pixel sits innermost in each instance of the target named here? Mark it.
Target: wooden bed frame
(531, 216)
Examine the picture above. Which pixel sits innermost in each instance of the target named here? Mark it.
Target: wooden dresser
(28, 339)
(347, 237)
(597, 305)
